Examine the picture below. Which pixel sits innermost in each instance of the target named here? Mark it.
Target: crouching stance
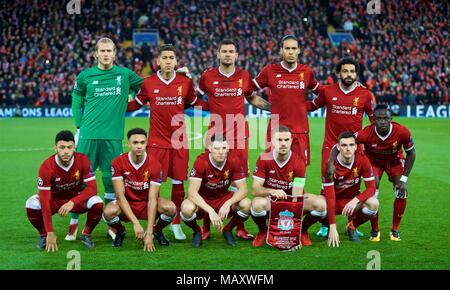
(136, 179)
(279, 173)
(342, 191)
(209, 193)
(60, 184)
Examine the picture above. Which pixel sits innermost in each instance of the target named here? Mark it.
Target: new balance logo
(210, 176)
(215, 83)
(272, 171)
(278, 76)
(156, 91)
(95, 82)
(58, 179)
(374, 145)
(334, 99)
(126, 173)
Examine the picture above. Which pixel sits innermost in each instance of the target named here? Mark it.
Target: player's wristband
(299, 181)
(404, 178)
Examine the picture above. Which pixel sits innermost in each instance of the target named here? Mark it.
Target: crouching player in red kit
(137, 177)
(211, 176)
(279, 173)
(342, 191)
(383, 142)
(60, 185)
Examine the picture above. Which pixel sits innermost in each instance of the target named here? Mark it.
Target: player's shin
(238, 219)
(35, 218)
(93, 217)
(399, 210)
(191, 222)
(260, 219)
(163, 221)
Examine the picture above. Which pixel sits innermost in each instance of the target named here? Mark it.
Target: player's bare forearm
(259, 102)
(198, 200)
(261, 191)
(241, 193)
(152, 207)
(409, 161)
(297, 191)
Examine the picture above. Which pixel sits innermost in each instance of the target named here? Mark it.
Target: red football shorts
(394, 167)
(216, 204)
(139, 208)
(174, 162)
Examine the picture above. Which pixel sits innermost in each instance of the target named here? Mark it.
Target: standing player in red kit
(167, 92)
(279, 173)
(136, 179)
(346, 102)
(383, 142)
(342, 190)
(226, 87)
(60, 185)
(209, 195)
(288, 82)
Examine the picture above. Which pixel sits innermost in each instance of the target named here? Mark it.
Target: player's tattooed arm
(259, 102)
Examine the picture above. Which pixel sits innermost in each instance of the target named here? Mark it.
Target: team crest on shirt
(240, 83)
(40, 181)
(302, 76)
(226, 174)
(355, 101)
(193, 172)
(146, 175)
(180, 90)
(394, 146)
(290, 176)
(77, 175)
(355, 172)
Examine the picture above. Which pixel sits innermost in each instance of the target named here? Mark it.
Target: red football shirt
(167, 99)
(215, 180)
(287, 94)
(226, 94)
(347, 183)
(137, 177)
(56, 181)
(388, 147)
(276, 175)
(345, 110)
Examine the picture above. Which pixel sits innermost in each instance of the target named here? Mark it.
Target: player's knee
(93, 201)
(187, 208)
(33, 202)
(169, 209)
(319, 204)
(259, 204)
(111, 210)
(372, 204)
(245, 205)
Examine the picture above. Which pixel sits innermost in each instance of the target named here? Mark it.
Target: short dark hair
(218, 137)
(380, 107)
(64, 135)
(166, 47)
(287, 37)
(347, 60)
(136, 131)
(227, 41)
(345, 135)
(281, 129)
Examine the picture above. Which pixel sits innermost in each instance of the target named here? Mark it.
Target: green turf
(25, 143)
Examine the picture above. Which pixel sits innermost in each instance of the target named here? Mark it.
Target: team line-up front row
(67, 184)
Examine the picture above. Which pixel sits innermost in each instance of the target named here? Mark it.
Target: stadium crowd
(403, 51)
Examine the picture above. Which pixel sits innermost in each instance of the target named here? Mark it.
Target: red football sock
(160, 225)
(93, 217)
(118, 227)
(260, 221)
(359, 218)
(399, 210)
(177, 198)
(374, 223)
(235, 221)
(35, 218)
(193, 225)
(308, 221)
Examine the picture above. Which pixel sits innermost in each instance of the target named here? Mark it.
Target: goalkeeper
(99, 103)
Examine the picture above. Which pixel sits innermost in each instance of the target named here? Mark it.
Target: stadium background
(403, 52)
